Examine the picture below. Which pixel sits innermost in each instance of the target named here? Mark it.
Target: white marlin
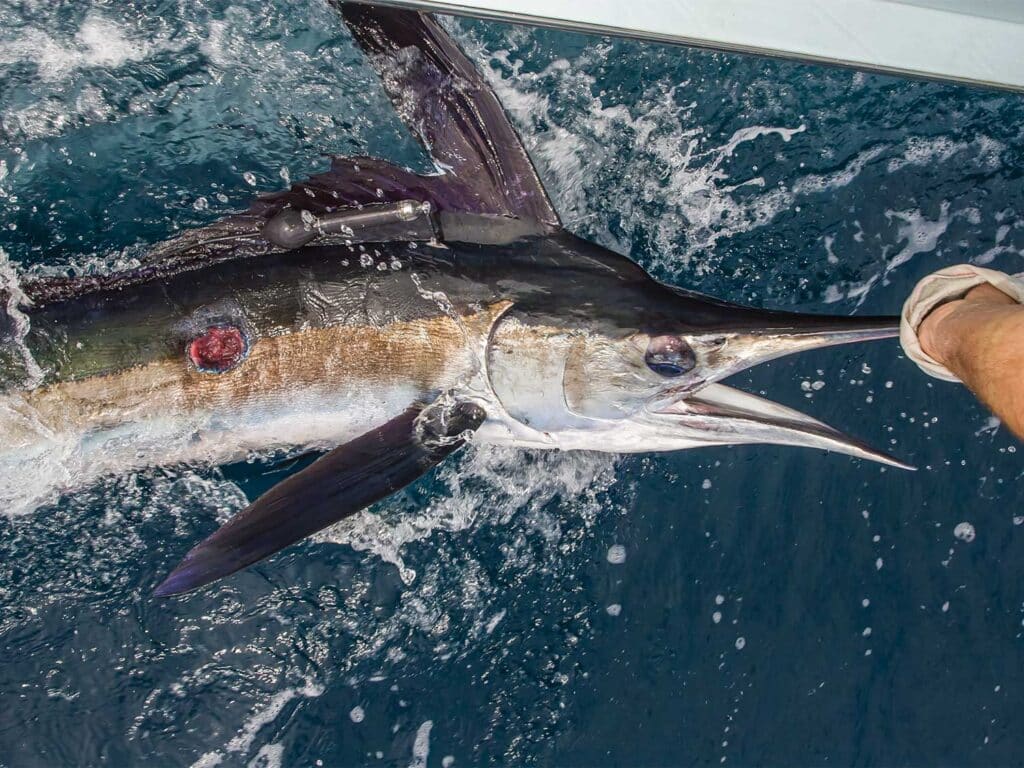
(386, 318)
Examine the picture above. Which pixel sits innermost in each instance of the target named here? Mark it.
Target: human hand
(981, 339)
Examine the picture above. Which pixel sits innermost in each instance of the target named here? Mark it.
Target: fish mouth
(723, 415)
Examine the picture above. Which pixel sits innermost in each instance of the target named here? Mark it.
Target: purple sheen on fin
(339, 484)
(358, 181)
(446, 103)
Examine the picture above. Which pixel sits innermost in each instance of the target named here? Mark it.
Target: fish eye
(670, 356)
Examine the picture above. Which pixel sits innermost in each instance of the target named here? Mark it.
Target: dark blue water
(775, 606)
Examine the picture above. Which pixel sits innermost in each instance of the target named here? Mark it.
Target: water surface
(749, 606)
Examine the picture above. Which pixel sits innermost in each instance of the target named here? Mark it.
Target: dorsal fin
(443, 100)
(448, 106)
(359, 181)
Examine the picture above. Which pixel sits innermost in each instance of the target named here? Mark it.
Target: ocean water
(738, 606)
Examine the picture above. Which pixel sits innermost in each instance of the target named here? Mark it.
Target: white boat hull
(979, 42)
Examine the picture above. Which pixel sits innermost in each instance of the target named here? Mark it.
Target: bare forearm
(981, 339)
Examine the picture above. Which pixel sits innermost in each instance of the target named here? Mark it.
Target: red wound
(219, 349)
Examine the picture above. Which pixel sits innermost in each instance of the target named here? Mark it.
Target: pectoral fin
(346, 480)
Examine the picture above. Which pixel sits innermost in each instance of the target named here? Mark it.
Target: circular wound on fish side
(219, 349)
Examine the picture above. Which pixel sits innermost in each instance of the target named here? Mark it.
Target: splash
(35, 462)
(10, 288)
(99, 42)
(88, 264)
(485, 481)
(119, 63)
(64, 97)
(676, 174)
(498, 521)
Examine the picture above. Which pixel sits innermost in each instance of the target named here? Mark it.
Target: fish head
(643, 374)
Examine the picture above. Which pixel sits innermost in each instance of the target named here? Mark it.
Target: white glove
(939, 287)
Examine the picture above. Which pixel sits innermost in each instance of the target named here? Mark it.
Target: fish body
(385, 318)
(339, 339)
(334, 344)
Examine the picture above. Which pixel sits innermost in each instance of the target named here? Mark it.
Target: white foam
(483, 478)
(67, 94)
(1001, 247)
(64, 97)
(755, 132)
(830, 255)
(675, 165)
(269, 756)
(16, 299)
(990, 427)
(965, 532)
(421, 745)
(493, 622)
(616, 554)
(209, 760)
(242, 743)
(229, 44)
(35, 463)
(99, 42)
(818, 183)
(918, 233)
(925, 151)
